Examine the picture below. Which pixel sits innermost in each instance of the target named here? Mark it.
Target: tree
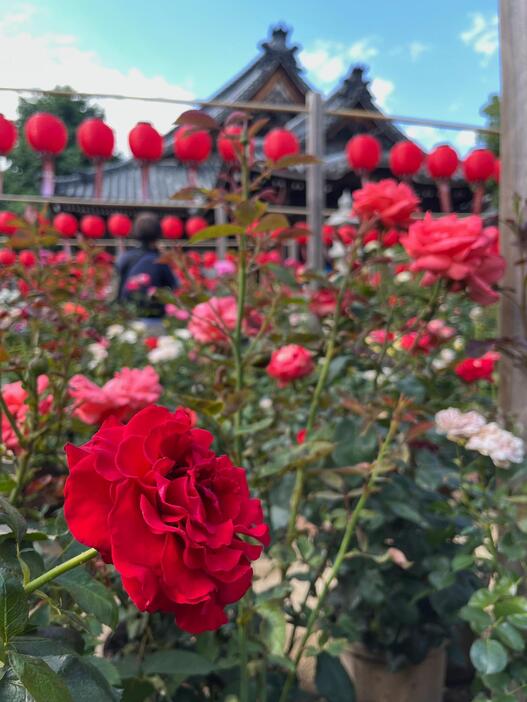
(491, 111)
(23, 177)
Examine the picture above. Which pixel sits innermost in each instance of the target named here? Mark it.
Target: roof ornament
(278, 42)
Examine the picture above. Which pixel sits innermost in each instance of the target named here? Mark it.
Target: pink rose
(460, 250)
(15, 397)
(126, 393)
(290, 363)
(391, 202)
(172, 310)
(211, 320)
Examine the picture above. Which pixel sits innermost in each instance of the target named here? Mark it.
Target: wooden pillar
(513, 180)
(315, 181)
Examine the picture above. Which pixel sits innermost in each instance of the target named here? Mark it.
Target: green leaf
(510, 605)
(39, 680)
(12, 517)
(273, 629)
(137, 690)
(462, 561)
(14, 609)
(84, 681)
(248, 212)
(478, 619)
(510, 636)
(209, 407)
(198, 119)
(12, 689)
(518, 620)
(482, 599)
(217, 231)
(176, 662)
(90, 595)
(332, 681)
(6, 483)
(488, 656)
(298, 160)
(353, 444)
(270, 222)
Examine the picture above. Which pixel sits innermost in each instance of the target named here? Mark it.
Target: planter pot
(374, 682)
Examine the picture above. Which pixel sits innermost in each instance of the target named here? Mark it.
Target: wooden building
(275, 76)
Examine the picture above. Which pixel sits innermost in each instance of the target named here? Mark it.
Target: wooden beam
(513, 149)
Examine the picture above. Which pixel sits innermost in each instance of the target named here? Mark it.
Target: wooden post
(315, 181)
(513, 180)
(221, 244)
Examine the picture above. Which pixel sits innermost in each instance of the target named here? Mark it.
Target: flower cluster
(176, 520)
(489, 439)
(391, 202)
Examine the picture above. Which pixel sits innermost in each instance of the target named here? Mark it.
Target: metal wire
(266, 107)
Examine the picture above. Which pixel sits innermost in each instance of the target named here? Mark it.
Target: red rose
(301, 436)
(460, 250)
(471, 370)
(151, 342)
(168, 512)
(323, 302)
(391, 202)
(290, 363)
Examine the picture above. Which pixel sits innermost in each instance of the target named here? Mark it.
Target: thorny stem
(242, 283)
(298, 488)
(344, 544)
(53, 573)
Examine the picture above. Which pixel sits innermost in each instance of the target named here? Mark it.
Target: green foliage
(491, 112)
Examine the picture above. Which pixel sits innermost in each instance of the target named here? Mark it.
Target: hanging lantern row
(47, 134)
(118, 225)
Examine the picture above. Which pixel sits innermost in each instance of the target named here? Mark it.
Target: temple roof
(274, 76)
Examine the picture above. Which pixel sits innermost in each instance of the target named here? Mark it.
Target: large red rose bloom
(171, 515)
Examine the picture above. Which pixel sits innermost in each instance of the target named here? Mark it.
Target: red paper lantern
(8, 134)
(46, 133)
(7, 257)
(328, 232)
(119, 225)
(172, 227)
(363, 152)
(479, 165)
(405, 158)
(27, 259)
(194, 225)
(93, 227)
(6, 222)
(280, 143)
(497, 170)
(192, 145)
(146, 143)
(95, 138)
(209, 259)
(442, 162)
(65, 224)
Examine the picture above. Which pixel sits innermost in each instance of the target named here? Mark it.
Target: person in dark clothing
(140, 269)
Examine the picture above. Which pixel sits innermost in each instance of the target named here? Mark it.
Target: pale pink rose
(210, 321)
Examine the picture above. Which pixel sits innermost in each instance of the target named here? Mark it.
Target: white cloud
(482, 35)
(328, 60)
(416, 48)
(44, 61)
(428, 137)
(362, 50)
(381, 90)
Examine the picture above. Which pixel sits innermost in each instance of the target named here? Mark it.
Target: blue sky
(430, 59)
